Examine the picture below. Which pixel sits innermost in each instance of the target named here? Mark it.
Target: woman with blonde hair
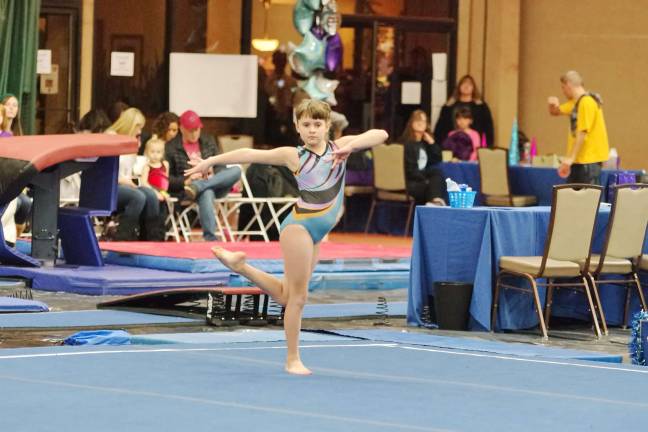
(133, 202)
(465, 95)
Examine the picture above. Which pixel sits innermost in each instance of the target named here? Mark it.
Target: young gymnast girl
(319, 167)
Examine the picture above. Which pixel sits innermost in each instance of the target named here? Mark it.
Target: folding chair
(569, 240)
(389, 180)
(186, 223)
(621, 254)
(494, 178)
(256, 226)
(230, 204)
(172, 220)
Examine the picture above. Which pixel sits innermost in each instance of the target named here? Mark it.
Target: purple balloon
(318, 32)
(333, 52)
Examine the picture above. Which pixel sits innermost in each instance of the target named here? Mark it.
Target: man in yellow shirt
(587, 145)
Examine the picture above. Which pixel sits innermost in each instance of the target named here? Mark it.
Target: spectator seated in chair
(191, 144)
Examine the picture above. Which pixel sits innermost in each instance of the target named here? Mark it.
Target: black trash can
(450, 305)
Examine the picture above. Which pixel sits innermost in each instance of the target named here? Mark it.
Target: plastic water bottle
(613, 159)
(451, 185)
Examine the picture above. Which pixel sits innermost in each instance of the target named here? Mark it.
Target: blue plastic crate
(462, 199)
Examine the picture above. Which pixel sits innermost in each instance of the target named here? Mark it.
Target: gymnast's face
(313, 131)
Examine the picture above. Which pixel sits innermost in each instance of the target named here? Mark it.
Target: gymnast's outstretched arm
(283, 156)
(363, 141)
(350, 143)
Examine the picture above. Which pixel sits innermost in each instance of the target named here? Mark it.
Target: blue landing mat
(357, 386)
(387, 280)
(369, 280)
(472, 344)
(351, 274)
(240, 336)
(89, 318)
(110, 279)
(165, 272)
(348, 310)
(14, 305)
(267, 265)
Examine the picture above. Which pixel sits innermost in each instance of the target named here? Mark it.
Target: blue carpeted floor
(422, 339)
(357, 386)
(238, 336)
(476, 345)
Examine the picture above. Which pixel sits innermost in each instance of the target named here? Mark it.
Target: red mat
(254, 250)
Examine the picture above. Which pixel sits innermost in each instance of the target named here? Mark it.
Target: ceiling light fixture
(265, 44)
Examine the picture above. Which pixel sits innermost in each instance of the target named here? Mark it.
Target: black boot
(153, 229)
(127, 230)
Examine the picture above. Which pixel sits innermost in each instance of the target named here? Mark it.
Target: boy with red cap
(188, 145)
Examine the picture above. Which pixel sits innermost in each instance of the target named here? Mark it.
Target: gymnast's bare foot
(234, 261)
(296, 367)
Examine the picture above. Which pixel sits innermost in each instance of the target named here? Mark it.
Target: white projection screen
(213, 85)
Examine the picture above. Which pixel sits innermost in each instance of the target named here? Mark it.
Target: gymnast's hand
(341, 154)
(199, 166)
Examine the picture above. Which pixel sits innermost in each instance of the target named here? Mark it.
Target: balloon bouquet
(320, 50)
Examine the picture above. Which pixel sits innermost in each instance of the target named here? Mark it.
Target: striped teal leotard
(321, 192)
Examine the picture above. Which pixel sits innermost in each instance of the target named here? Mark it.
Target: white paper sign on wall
(122, 63)
(411, 93)
(44, 61)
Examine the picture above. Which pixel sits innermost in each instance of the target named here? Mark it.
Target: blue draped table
(390, 218)
(464, 245)
(524, 180)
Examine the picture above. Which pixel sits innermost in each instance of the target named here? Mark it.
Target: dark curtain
(18, 48)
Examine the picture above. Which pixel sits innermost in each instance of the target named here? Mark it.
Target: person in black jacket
(466, 95)
(190, 145)
(423, 176)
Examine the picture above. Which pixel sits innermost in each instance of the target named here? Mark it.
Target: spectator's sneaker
(191, 191)
(440, 202)
(436, 202)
